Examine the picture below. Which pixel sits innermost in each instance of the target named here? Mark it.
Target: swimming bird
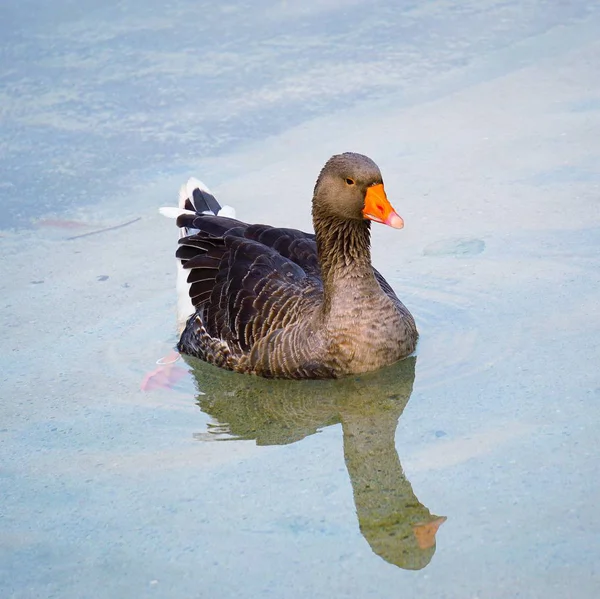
(281, 303)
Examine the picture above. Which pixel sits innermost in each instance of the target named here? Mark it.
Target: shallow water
(470, 470)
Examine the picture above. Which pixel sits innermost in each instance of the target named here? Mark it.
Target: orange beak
(425, 533)
(377, 208)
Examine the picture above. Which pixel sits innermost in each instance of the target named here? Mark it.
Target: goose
(280, 303)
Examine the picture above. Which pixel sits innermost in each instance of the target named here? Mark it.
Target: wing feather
(247, 280)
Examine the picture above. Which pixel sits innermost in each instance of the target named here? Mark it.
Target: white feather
(183, 196)
(194, 183)
(227, 211)
(172, 212)
(185, 308)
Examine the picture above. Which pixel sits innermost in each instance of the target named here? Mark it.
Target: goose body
(281, 303)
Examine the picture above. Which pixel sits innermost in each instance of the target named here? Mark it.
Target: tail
(194, 198)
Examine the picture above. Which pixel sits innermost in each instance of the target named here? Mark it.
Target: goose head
(350, 187)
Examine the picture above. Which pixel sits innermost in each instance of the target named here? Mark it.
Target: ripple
(454, 325)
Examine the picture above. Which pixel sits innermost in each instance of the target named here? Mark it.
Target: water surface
(469, 470)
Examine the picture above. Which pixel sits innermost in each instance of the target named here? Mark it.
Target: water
(469, 470)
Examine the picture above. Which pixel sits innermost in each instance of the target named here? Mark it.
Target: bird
(281, 303)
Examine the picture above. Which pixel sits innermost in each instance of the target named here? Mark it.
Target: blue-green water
(470, 470)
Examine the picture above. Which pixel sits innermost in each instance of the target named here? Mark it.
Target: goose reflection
(397, 526)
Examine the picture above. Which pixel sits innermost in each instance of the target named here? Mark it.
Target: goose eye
(350, 181)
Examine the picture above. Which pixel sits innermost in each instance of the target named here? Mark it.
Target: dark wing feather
(387, 289)
(242, 286)
(297, 246)
(385, 286)
(203, 202)
(212, 226)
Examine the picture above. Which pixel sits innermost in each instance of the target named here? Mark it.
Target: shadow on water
(397, 526)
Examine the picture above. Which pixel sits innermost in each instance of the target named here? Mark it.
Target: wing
(387, 289)
(297, 246)
(247, 280)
